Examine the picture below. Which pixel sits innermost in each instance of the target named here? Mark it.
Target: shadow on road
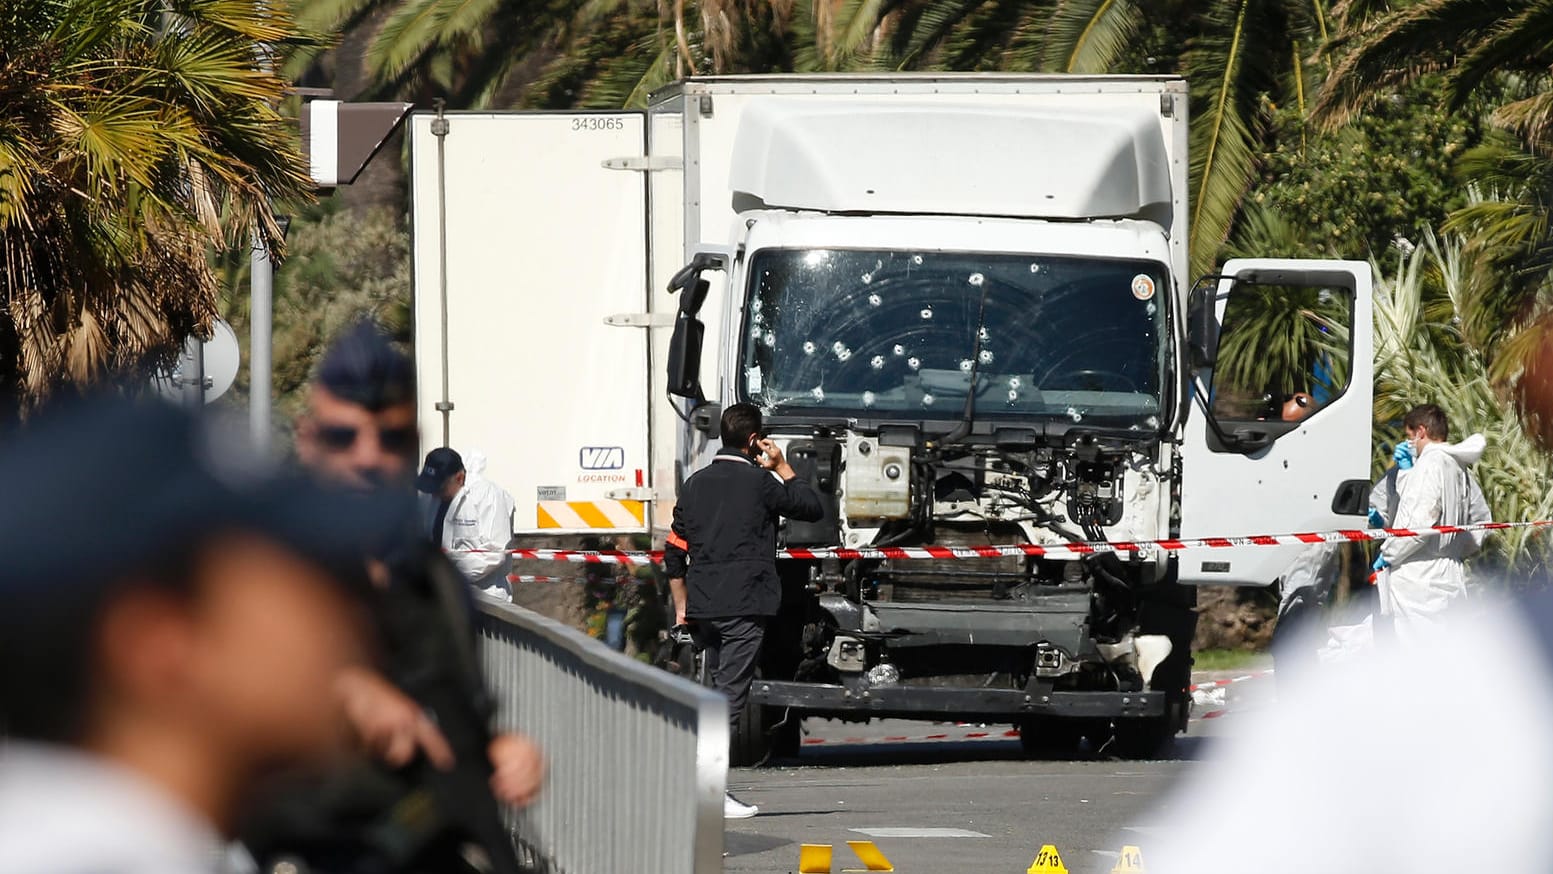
(736, 843)
(864, 755)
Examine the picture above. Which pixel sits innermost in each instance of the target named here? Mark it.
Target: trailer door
(1290, 393)
(544, 222)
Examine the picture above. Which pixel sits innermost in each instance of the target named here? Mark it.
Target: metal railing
(637, 758)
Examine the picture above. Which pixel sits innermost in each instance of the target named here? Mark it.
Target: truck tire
(1145, 738)
(1042, 736)
(1167, 608)
(764, 733)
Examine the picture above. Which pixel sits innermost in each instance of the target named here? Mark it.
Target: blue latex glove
(1375, 519)
(1403, 455)
(1380, 565)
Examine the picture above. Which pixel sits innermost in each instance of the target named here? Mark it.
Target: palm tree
(1488, 51)
(599, 54)
(135, 136)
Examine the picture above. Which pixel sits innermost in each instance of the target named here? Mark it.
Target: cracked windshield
(872, 333)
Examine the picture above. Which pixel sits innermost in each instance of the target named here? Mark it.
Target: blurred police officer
(725, 524)
(178, 640)
(425, 714)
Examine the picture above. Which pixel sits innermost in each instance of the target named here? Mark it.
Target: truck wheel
(1144, 738)
(1046, 736)
(763, 734)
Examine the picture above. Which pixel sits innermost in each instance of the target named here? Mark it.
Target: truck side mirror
(691, 299)
(685, 357)
(1202, 326)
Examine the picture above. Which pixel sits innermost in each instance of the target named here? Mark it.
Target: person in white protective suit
(1421, 577)
(476, 524)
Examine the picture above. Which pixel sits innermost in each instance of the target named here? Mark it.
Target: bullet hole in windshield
(868, 279)
(985, 336)
(965, 365)
(1152, 421)
(916, 259)
(868, 398)
(808, 347)
(927, 313)
(875, 300)
(899, 349)
(877, 362)
(757, 305)
(927, 400)
(1075, 415)
(843, 354)
(977, 279)
(769, 339)
(1013, 396)
(986, 356)
(817, 393)
(1151, 309)
(913, 362)
(1015, 382)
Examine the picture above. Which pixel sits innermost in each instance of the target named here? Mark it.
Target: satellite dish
(221, 359)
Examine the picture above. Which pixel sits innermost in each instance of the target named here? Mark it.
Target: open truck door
(1278, 437)
(543, 240)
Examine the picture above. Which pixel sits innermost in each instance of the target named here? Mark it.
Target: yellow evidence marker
(816, 858)
(870, 856)
(1047, 861)
(1129, 861)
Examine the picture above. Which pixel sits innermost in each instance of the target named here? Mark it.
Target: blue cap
(101, 488)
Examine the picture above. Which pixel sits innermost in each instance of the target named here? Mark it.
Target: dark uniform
(725, 523)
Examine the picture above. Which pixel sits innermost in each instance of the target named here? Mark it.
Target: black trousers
(731, 648)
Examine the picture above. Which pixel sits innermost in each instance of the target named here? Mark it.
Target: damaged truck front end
(960, 398)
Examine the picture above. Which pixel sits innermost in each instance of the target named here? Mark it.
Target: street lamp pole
(260, 324)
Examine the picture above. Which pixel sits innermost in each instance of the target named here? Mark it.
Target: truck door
(1278, 437)
(543, 243)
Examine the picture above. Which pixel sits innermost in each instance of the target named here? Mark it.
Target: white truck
(964, 303)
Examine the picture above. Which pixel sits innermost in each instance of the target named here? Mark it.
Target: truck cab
(963, 304)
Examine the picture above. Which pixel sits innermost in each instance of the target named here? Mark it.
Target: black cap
(97, 489)
(364, 367)
(441, 463)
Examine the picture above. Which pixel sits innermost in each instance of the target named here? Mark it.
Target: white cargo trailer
(964, 303)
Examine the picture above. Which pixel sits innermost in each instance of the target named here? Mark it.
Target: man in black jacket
(725, 523)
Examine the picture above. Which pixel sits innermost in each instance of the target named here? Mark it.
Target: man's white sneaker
(733, 808)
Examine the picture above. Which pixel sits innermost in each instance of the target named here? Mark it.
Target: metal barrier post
(637, 758)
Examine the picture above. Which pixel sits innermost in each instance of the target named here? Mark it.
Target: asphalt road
(939, 798)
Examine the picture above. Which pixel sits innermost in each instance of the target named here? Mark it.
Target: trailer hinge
(640, 320)
(1167, 105)
(648, 163)
(632, 494)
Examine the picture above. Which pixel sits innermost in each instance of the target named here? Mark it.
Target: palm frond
(1521, 40)
(1090, 36)
(1398, 49)
(1221, 138)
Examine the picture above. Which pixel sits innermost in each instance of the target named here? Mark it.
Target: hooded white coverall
(480, 518)
(1427, 574)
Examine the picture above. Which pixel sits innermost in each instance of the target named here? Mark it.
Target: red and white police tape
(1059, 551)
